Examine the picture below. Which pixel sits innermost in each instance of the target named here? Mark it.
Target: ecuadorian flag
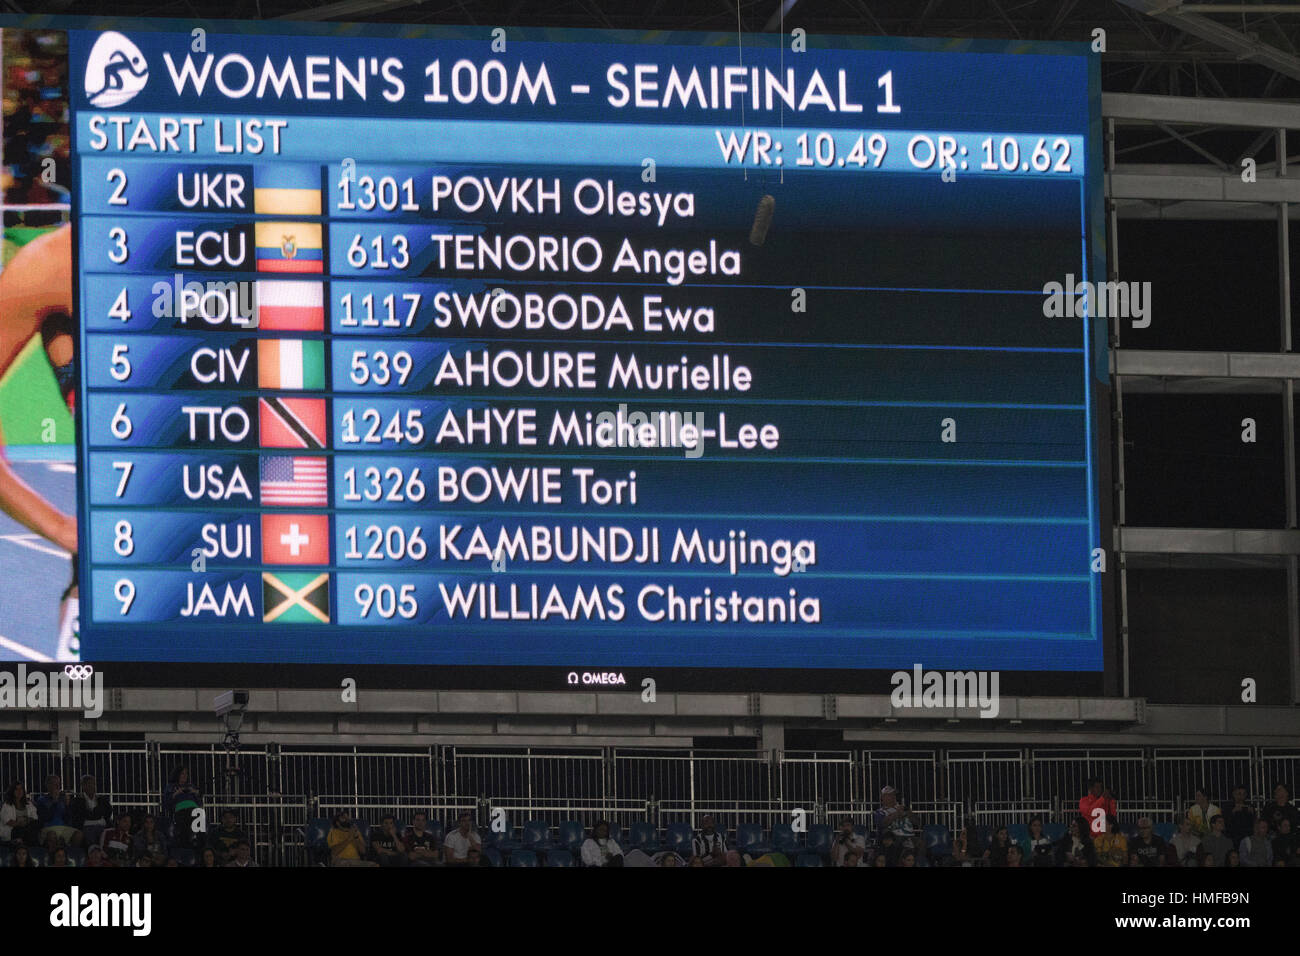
(289, 247)
(287, 190)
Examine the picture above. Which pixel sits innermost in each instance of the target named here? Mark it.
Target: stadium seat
(784, 839)
(523, 857)
(820, 839)
(561, 858)
(493, 856)
(1019, 833)
(749, 839)
(1054, 831)
(6, 855)
(616, 834)
(185, 856)
(641, 836)
(808, 859)
(1130, 831)
(571, 835)
(537, 834)
(39, 856)
(680, 838)
(76, 856)
(986, 835)
(364, 827)
(502, 840)
(315, 838)
(1166, 831)
(938, 841)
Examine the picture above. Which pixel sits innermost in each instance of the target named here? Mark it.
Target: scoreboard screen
(533, 349)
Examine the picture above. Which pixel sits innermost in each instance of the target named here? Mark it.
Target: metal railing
(276, 791)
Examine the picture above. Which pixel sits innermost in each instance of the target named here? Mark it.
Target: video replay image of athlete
(38, 530)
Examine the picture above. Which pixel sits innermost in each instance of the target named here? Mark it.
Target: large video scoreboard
(453, 347)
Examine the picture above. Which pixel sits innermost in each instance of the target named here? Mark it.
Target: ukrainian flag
(287, 190)
(289, 247)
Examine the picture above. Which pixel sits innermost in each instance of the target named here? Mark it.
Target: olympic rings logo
(79, 671)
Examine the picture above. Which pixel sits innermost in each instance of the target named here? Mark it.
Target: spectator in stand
(970, 846)
(421, 843)
(599, 849)
(180, 801)
(224, 837)
(59, 857)
(1281, 809)
(1284, 844)
(1216, 844)
(52, 812)
(19, 822)
(149, 842)
(889, 846)
(1111, 846)
(118, 843)
(1257, 849)
(1015, 855)
(1240, 818)
(1201, 812)
(710, 845)
(90, 812)
(243, 856)
(1205, 859)
(852, 856)
(998, 850)
(208, 858)
(880, 860)
(847, 839)
(22, 857)
(386, 846)
(1146, 846)
(1038, 850)
(1183, 846)
(95, 857)
(1098, 797)
(907, 859)
(346, 844)
(1234, 859)
(456, 845)
(894, 817)
(961, 848)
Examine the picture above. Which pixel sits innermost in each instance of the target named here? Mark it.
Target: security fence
(277, 790)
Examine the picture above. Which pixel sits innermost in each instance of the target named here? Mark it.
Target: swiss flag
(296, 539)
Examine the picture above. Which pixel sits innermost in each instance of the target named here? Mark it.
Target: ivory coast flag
(290, 306)
(286, 190)
(290, 363)
(289, 247)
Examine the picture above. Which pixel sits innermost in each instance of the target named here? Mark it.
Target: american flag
(292, 480)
